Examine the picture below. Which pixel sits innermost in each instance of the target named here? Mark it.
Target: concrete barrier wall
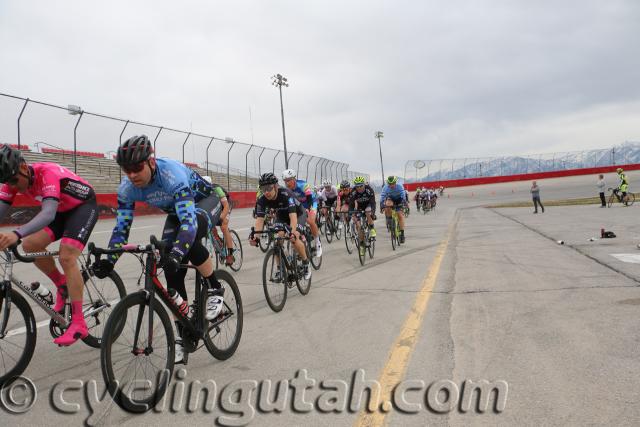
(521, 177)
(24, 208)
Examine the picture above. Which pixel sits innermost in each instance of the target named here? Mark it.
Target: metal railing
(445, 169)
(240, 162)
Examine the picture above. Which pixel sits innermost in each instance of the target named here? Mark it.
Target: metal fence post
(20, 117)
(298, 168)
(259, 157)
(246, 168)
(122, 133)
(273, 168)
(75, 144)
(228, 158)
(183, 144)
(207, 155)
(155, 139)
(306, 178)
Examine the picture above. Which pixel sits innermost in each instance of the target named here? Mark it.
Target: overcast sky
(440, 78)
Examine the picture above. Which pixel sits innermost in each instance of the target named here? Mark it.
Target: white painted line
(631, 258)
(23, 329)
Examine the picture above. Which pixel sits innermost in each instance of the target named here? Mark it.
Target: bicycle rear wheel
(274, 279)
(100, 296)
(237, 249)
(224, 332)
(19, 342)
(136, 371)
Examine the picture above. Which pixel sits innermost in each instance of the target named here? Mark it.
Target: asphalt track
(475, 294)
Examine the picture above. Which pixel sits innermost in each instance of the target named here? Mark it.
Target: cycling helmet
(345, 184)
(392, 179)
(288, 174)
(358, 180)
(326, 183)
(10, 160)
(268, 179)
(619, 170)
(134, 150)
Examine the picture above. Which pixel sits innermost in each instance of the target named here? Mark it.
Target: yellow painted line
(396, 366)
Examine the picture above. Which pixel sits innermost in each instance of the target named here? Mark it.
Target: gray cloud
(441, 79)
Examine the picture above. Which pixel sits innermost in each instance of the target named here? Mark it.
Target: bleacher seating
(21, 148)
(70, 152)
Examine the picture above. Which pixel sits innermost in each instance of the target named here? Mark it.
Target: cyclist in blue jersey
(307, 198)
(192, 205)
(393, 197)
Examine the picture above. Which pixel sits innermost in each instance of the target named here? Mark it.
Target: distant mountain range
(433, 170)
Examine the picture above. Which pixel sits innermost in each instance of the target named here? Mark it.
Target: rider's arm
(41, 220)
(120, 234)
(293, 220)
(224, 201)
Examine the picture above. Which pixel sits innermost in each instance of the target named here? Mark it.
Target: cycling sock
(57, 278)
(213, 282)
(76, 312)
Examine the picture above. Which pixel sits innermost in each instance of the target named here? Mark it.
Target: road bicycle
(138, 345)
(327, 223)
(360, 236)
(18, 329)
(269, 221)
(393, 225)
(218, 249)
(629, 199)
(282, 269)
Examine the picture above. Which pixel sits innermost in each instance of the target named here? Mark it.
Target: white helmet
(208, 179)
(288, 174)
(326, 183)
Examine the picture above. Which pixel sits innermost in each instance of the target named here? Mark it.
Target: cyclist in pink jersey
(69, 212)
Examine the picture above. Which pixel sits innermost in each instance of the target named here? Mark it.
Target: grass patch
(563, 202)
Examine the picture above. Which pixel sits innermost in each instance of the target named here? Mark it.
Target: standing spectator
(535, 193)
(601, 186)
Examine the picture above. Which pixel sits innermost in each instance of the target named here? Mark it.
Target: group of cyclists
(193, 206)
(426, 198)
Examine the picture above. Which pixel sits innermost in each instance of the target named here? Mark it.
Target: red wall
(521, 177)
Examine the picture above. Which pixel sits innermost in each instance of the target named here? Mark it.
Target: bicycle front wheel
(631, 198)
(274, 279)
(100, 296)
(223, 335)
(19, 341)
(137, 359)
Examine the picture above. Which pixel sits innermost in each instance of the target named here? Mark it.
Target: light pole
(74, 110)
(278, 81)
(379, 135)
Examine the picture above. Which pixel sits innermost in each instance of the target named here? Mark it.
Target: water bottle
(183, 307)
(43, 292)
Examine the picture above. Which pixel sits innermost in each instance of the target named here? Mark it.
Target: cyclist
(223, 223)
(192, 207)
(363, 198)
(290, 215)
(69, 212)
(343, 201)
(623, 185)
(393, 196)
(328, 197)
(307, 198)
(418, 198)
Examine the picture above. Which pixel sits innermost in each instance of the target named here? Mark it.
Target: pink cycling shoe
(77, 331)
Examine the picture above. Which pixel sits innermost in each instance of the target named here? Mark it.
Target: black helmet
(345, 184)
(267, 179)
(10, 160)
(134, 150)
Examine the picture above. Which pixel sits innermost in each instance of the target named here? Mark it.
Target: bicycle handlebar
(18, 255)
(129, 248)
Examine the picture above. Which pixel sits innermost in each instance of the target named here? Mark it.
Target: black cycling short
(397, 203)
(302, 221)
(330, 202)
(207, 213)
(74, 226)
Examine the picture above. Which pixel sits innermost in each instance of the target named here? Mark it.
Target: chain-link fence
(71, 131)
(444, 169)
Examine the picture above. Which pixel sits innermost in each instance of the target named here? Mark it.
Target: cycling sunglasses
(267, 188)
(134, 168)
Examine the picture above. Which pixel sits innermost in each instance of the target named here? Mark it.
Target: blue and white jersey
(305, 194)
(175, 189)
(397, 194)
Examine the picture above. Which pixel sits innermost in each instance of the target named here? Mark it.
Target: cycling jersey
(284, 204)
(69, 209)
(343, 196)
(364, 199)
(327, 195)
(624, 184)
(305, 195)
(395, 194)
(175, 189)
(52, 181)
